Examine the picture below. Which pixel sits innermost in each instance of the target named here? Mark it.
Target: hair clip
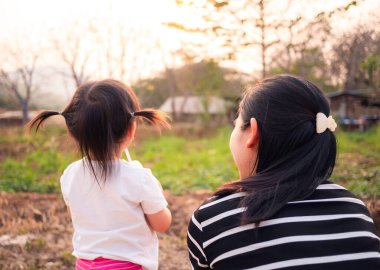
(323, 122)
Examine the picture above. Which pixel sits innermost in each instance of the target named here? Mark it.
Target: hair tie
(323, 122)
(132, 114)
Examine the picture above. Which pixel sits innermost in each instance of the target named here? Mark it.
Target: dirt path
(35, 231)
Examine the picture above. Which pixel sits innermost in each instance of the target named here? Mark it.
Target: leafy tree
(371, 65)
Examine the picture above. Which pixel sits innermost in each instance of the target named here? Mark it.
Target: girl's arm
(160, 221)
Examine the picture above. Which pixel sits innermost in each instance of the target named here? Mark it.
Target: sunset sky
(21, 15)
(33, 21)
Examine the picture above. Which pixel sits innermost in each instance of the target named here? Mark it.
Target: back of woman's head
(293, 159)
(99, 117)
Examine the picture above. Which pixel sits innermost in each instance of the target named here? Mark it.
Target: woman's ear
(253, 137)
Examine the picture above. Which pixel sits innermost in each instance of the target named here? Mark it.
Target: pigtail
(37, 121)
(155, 117)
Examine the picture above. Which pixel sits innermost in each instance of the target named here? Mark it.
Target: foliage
(206, 78)
(309, 64)
(371, 65)
(152, 92)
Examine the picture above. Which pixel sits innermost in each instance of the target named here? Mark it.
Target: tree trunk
(25, 111)
(173, 91)
(263, 38)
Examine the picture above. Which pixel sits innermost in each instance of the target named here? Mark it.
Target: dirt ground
(35, 231)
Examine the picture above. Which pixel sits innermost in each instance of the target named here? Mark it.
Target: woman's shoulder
(330, 192)
(329, 200)
(226, 204)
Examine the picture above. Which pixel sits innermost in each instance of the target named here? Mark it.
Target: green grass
(187, 164)
(38, 171)
(37, 166)
(367, 143)
(358, 164)
(180, 163)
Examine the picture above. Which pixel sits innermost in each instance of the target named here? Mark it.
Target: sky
(20, 16)
(28, 22)
(34, 19)
(25, 24)
(17, 14)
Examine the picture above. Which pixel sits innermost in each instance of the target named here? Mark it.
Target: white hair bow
(324, 122)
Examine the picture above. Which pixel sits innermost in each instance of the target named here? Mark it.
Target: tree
(75, 48)
(122, 52)
(17, 75)
(352, 57)
(371, 65)
(204, 79)
(102, 49)
(310, 64)
(238, 26)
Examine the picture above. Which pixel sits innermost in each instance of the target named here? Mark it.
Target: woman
(283, 213)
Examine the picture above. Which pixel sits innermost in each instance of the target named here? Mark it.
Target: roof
(194, 105)
(16, 114)
(362, 93)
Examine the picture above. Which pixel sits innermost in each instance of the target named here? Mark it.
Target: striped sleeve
(197, 256)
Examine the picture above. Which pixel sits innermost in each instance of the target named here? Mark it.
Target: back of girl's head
(99, 117)
(293, 159)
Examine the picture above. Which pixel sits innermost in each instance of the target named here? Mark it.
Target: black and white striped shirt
(331, 230)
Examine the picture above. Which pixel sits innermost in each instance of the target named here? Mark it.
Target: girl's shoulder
(123, 166)
(134, 171)
(133, 167)
(73, 166)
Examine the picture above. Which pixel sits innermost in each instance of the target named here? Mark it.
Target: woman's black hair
(292, 158)
(99, 116)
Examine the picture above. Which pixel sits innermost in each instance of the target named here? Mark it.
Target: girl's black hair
(292, 158)
(99, 116)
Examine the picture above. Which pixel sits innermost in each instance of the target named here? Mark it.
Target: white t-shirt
(108, 219)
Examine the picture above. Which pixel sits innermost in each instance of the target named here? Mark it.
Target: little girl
(116, 206)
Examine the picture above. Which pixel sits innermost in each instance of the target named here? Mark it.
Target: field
(35, 230)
